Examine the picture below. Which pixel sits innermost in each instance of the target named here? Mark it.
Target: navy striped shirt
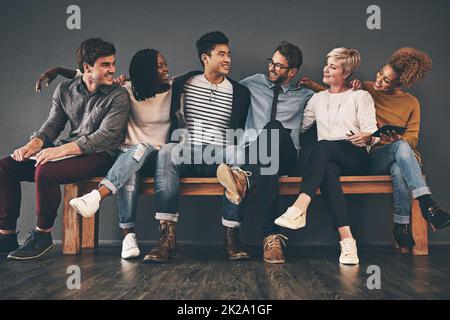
(207, 108)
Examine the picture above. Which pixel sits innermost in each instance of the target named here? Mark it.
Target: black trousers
(329, 160)
(267, 185)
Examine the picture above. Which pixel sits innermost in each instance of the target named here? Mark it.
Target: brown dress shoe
(232, 245)
(234, 180)
(166, 247)
(273, 252)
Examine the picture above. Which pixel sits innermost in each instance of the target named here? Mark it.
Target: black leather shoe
(8, 243)
(437, 217)
(35, 246)
(403, 236)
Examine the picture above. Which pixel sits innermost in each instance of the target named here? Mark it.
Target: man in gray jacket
(97, 110)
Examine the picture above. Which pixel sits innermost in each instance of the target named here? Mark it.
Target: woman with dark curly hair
(397, 153)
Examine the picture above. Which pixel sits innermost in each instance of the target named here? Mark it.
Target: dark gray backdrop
(34, 36)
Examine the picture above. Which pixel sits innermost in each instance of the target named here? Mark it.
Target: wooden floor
(201, 272)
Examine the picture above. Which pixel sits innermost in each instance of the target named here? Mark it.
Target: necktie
(276, 91)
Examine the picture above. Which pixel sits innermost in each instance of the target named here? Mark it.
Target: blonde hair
(350, 58)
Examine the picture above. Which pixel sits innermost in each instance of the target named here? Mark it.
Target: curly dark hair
(410, 64)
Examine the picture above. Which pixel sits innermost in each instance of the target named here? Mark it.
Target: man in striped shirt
(210, 106)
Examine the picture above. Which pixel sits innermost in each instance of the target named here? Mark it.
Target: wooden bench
(79, 232)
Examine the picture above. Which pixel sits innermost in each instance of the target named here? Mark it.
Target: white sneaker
(130, 249)
(349, 252)
(88, 204)
(293, 218)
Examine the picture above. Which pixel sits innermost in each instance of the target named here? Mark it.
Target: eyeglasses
(276, 66)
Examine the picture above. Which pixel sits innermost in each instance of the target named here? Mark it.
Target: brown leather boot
(232, 245)
(273, 252)
(166, 247)
(234, 180)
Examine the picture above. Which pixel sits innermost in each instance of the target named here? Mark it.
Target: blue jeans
(169, 168)
(124, 179)
(399, 160)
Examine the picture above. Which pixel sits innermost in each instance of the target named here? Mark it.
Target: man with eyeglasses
(277, 105)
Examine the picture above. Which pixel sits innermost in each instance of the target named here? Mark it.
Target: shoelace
(131, 242)
(290, 211)
(347, 247)
(246, 173)
(31, 238)
(277, 238)
(432, 210)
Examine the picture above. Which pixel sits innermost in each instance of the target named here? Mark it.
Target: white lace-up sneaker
(293, 218)
(130, 249)
(349, 252)
(88, 204)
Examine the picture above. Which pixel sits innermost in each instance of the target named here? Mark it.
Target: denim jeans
(123, 179)
(169, 168)
(399, 160)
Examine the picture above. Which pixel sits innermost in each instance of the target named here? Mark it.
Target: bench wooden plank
(88, 228)
(288, 185)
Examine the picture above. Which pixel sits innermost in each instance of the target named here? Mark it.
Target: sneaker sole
(131, 257)
(157, 261)
(440, 227)
(226, 179)
(278, 223)
(349, 263)
(30, 258)
(239, 258)
(75, 206)
(274, 261)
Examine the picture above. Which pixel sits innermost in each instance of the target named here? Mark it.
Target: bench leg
(419, 231)
(71, 229)
(90, 232)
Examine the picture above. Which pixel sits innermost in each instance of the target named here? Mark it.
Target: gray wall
(34, 36)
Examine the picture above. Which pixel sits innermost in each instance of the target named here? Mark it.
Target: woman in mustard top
(397, 154)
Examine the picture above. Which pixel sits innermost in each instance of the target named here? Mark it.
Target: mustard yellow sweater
(400, 109)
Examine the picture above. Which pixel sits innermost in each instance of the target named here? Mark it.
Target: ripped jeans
(123, 179)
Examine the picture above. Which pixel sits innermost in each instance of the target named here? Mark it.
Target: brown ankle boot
(273, 252)
(232, 245)
(235, 181)
(166, 247)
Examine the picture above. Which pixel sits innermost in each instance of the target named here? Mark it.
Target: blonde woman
(345, 121)
(397, 154)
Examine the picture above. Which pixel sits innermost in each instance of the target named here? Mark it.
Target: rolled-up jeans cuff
(109, 185)
(230, 224)
(167, 216)
(401, 219)
(127, 225)
(420, 192)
